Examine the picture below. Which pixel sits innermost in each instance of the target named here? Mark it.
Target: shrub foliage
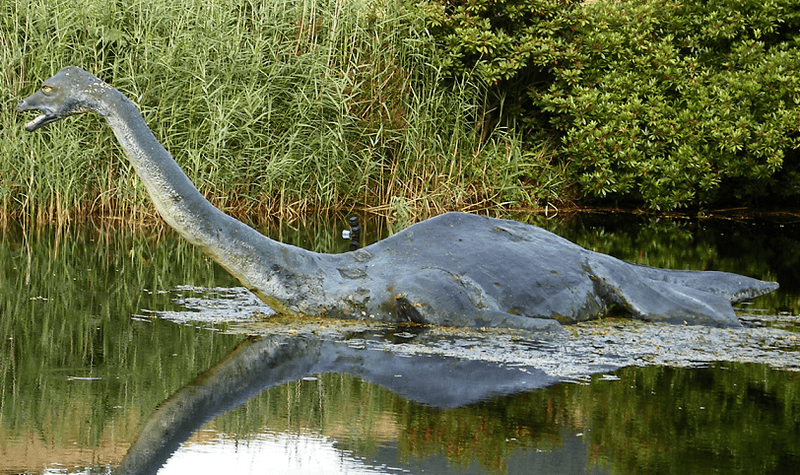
(667, 103)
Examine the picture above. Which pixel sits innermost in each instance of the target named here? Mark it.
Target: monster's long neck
(257, 261)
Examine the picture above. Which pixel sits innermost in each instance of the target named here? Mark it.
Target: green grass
(271, 107)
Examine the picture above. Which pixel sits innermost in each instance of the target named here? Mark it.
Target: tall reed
(271, 107)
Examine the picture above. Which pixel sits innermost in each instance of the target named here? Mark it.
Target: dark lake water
(89, 373)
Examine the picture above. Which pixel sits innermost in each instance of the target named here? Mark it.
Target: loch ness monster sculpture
(455, 269)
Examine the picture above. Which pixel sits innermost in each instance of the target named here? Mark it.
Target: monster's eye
(47, 89)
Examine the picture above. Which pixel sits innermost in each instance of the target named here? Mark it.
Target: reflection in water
(640, 420)
(282, 453)
(260, 363)
(67, 298)
(304, 454)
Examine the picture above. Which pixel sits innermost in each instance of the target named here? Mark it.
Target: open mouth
(45, 118)
(39, 121)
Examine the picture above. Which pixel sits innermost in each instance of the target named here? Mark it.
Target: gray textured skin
(456, 269)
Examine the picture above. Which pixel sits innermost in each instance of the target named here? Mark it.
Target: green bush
(498, 40)
(684, 103)
(508, 45)
(664, 103)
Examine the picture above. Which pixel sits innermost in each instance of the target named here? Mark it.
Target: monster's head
(71, 91)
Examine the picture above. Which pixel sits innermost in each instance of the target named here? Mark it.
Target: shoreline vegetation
(271, 108)
(287, 108)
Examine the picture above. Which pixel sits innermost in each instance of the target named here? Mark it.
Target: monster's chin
(40, 121)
